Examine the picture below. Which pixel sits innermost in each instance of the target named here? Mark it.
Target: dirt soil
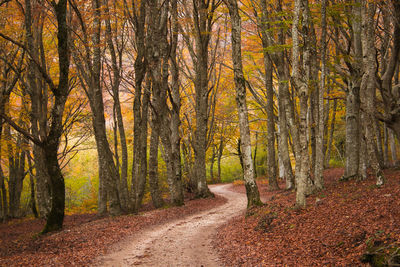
(84, 237)
(183, 242)
(334, 229)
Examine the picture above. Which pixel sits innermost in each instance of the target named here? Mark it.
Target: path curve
(183, 242)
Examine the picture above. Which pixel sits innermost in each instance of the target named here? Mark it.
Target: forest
(112, 108)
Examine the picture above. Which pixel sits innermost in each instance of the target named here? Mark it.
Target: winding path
(184, 242)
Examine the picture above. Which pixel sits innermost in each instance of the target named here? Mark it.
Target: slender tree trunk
(108, 170)
(271, 160)
(253, 195)
(393, 149)
(319, 149)
(363, 165)
(203, 12)
(219, 157)
(139, 170)
(331, 131)
(38, 116)
(283, 107)
(378, 143)
(32, 188)
(212, 160)
(3, 203)
(140, 72)
(153, 163)
(385, 146)
(175, 109)
(50, 146)
(255, 156)
(123, 182)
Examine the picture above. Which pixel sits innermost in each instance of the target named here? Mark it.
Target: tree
(301, 79)
(253, 195)
(89, 64)
(202, 21)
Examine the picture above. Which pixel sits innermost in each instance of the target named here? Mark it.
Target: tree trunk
(139, 169)
(353, 100)
(212, 160)
(219, 157)
(175, 100)
(16, 167)
(319, 148)
(123, 182)
(385, 146)
(203, 18)
(302, 85)
(352, 132)
(255, 156)
(331, 131)
(271, 160)
(284, 106)
(140, 72)
(393, 149)
(363, 165)
(50, 146)
(253, 195)
(32, 188)
(108, 170)
(378, 143)
(368, 87)
(153, 163)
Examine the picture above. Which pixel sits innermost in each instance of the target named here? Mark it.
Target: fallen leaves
(332, 230)
(84, 237)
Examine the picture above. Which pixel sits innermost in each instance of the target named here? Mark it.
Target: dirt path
(184, 242)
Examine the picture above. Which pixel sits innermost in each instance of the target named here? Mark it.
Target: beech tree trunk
(153, 162)
(253, 195)
(301, 77)
(319, 147)
(330, 137)
(393, 148)
(139, 109)
(368, 87)
(203, 13)
(116, 69)
(219, 157)
(352, 153)
(385, 146)
(284, 108)
(50, 146)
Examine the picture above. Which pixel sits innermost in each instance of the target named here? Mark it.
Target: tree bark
(319, 148)
(253, 195)
(302, 85)
(203, 12)
(153, 162)
(271, 160)
(353, 101)
(393, 150)
(331, 131)
(385, 146)
(368, 87)
(116, 69)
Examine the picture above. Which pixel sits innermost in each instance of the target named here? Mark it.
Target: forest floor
(85, 236)
(334, 230)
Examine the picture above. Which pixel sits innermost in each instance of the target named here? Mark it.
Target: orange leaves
(332, 231)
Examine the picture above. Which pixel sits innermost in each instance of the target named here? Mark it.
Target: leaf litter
(333, 230)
